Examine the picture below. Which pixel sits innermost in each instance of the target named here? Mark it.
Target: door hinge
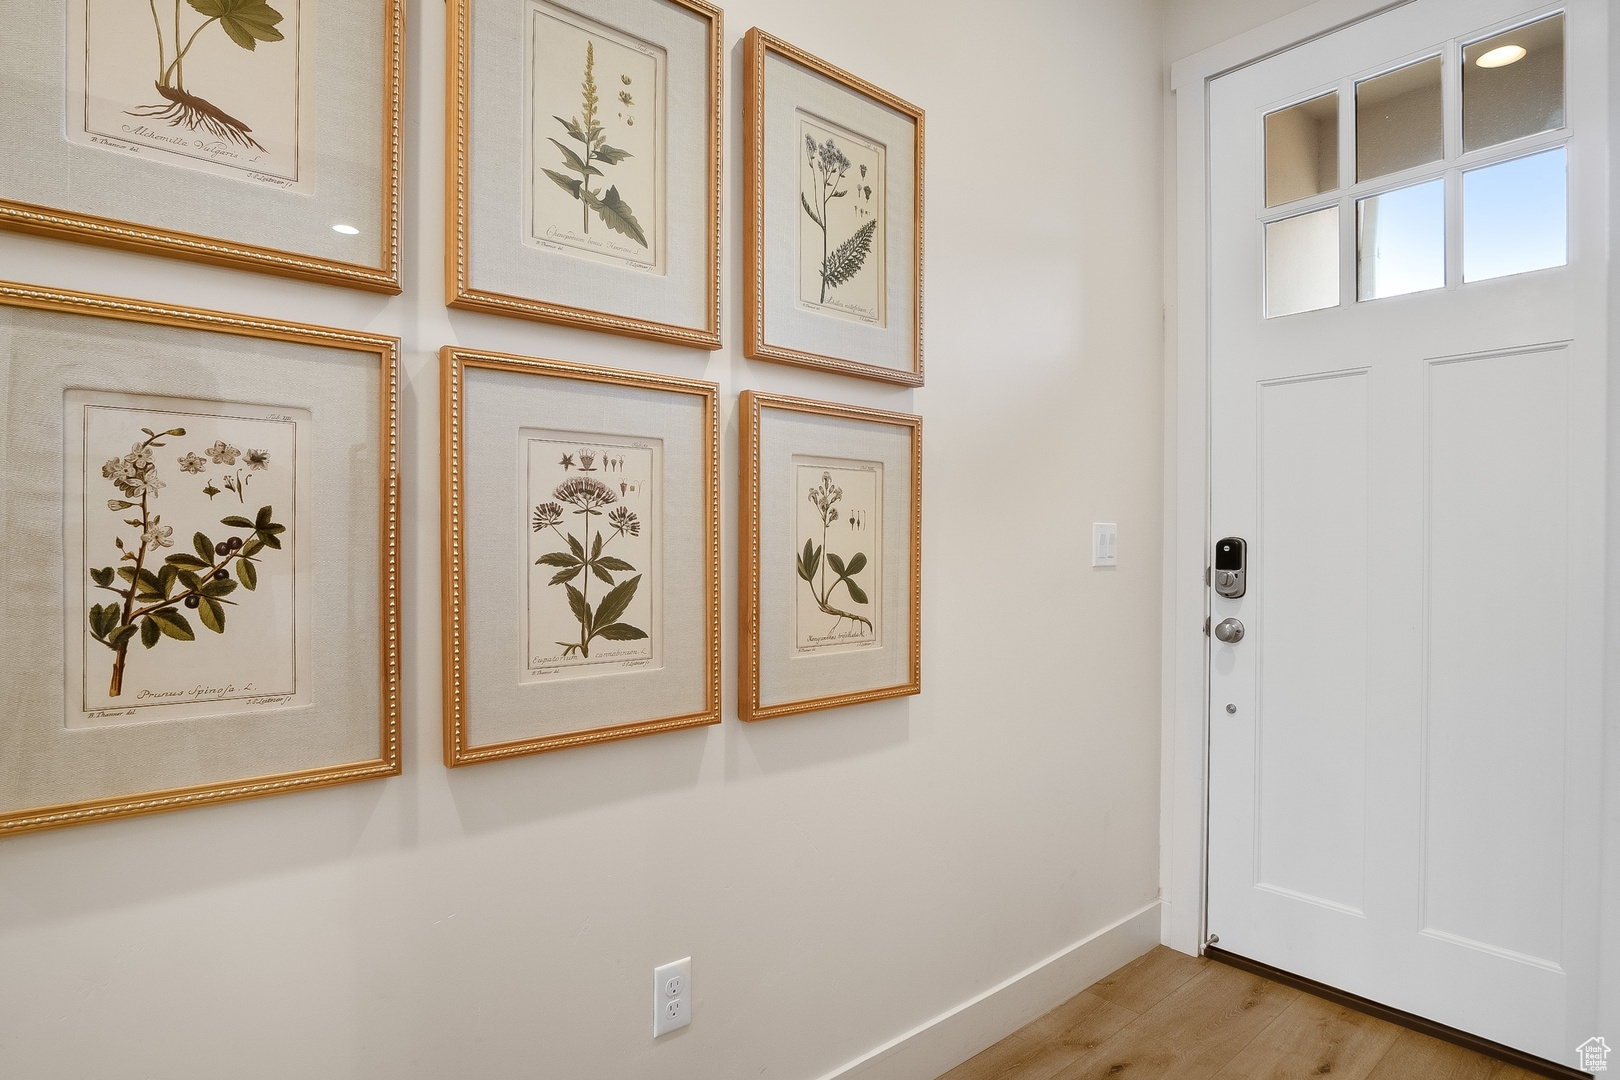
(1206, 626)
(1206, 577)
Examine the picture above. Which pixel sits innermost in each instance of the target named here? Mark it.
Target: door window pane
(1515, 216)
(1513, 84)
(1302, 263)
(1399, 123)
(1302, 150)
(1401, 241)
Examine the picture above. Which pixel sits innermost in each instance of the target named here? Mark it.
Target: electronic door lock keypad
(1231, 564)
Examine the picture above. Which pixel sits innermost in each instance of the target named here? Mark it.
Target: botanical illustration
(837, 563)
(595, 133)
(591, 559)
(245, 22)
(213, 81)
(841, 227)
(187, 556)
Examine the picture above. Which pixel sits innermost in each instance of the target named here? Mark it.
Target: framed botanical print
(259, 134)
(581, 555)
(211, 507)
(831, 555)
(584, 152)
(833, 185)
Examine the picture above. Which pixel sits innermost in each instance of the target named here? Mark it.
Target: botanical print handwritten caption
(187, 558)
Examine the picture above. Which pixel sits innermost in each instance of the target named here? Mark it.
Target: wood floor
(1168, 1015)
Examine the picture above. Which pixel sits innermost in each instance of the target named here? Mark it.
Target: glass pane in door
(1401, 241)
(1515, 216)
(1399, 121)
(1513, 84)
(1302, 150)
(1302, 263)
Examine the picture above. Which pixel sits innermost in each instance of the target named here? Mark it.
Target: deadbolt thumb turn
(1229, 631)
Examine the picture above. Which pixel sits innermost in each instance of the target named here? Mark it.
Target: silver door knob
(1229, 631)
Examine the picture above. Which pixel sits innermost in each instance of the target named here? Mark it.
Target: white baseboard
(936, 1046)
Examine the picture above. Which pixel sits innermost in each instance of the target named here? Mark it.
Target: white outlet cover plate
(672, 996)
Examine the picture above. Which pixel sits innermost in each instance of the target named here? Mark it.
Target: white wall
(840, 878)
(1191, 26)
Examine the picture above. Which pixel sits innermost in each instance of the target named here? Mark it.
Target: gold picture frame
(637, 477)
(324, 207)
(832, 133)
(807, 644)
(83, 372)
(507, 251)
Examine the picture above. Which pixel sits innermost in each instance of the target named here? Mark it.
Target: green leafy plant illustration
(588, 131)
(828, 166)
(585, 559)
(150, 599)
(810, 561)
(245, 22)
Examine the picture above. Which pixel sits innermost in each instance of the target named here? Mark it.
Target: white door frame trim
(1184, 767)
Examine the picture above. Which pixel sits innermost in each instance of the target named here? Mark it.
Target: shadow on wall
(497, 795)
(67, 874)
(62, 874)
(771, 747)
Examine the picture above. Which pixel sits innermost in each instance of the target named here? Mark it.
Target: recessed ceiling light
(350, 230)
(1501, 56)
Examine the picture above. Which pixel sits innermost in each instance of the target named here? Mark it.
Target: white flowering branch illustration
(828, 165)
(223, 453)
(246, 22)
(149, 600)
(810, 561)
(609, 206)
(590, 497)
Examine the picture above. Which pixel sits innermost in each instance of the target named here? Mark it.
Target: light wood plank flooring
(1168, 1016)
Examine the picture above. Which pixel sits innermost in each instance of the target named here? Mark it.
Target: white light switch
(672, 996)
(1104, 543)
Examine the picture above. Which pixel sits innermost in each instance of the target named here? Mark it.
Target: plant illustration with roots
(828, 167)
(585, 558)
(245, 22)
(588, 131)
(151, 594)
(816, 559)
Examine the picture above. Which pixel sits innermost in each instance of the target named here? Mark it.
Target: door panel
(1498, 569)
(1401, 791)
(1313, 508)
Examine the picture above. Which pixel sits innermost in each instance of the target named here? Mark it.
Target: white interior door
(1408, 429)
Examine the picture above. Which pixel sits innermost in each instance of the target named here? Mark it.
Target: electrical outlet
(672, 996)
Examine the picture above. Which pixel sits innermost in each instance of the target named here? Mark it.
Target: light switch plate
(672, 996)
(1104, 543)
